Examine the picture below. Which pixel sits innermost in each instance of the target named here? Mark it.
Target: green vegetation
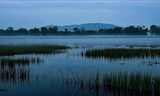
(7, 50)
(121, 53)
(11, 61)
(16, 69)
(53, 30)
(155, 29)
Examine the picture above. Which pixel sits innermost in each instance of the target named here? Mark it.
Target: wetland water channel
(71, 74)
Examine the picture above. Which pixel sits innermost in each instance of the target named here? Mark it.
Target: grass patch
(15, 70)
(121, 53)
(7, 50)
(12, 61)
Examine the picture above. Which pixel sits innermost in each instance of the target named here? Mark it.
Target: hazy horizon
(35, 13)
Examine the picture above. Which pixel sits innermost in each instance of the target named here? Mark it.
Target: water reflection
(16, 70)
(116, 84)
(73, 75)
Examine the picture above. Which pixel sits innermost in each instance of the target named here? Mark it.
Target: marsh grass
(140, 85)
(8, 50)
(121, 53)
(13, 61)
(15, 70)
(119, 84)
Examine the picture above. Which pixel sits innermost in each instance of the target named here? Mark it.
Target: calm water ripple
(70, 74)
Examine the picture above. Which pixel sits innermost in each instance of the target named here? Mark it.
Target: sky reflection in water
(71, 74)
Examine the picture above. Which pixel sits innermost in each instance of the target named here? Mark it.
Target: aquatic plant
(16, 70)
(7, 50)
(118, 84)
(121, 53)
(18, 60)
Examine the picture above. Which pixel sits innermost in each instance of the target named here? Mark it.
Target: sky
(35, 13)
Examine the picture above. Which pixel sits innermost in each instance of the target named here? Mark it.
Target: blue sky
(31, 13)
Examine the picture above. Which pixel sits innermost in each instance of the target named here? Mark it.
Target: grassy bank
(121, 52)
(8, 50)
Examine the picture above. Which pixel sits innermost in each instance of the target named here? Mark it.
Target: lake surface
(69, 73)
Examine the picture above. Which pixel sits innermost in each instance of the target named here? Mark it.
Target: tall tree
(53, 29)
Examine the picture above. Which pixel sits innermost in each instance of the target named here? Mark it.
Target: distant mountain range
(87, 26)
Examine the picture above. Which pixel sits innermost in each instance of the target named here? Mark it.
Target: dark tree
(53, 29)
(44, 29)
(10, 29)
(130, 30)
(34, 31)
(66, 30)
(22, 31)
(76, 29)
(155, 29)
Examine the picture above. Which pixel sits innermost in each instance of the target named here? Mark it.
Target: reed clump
(121, 84)
(12, 61)
(121, 53)
(8, 50)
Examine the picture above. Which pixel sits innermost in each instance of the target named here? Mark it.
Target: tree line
(53, 30)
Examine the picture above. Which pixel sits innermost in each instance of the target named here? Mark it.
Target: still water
(70, 74)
